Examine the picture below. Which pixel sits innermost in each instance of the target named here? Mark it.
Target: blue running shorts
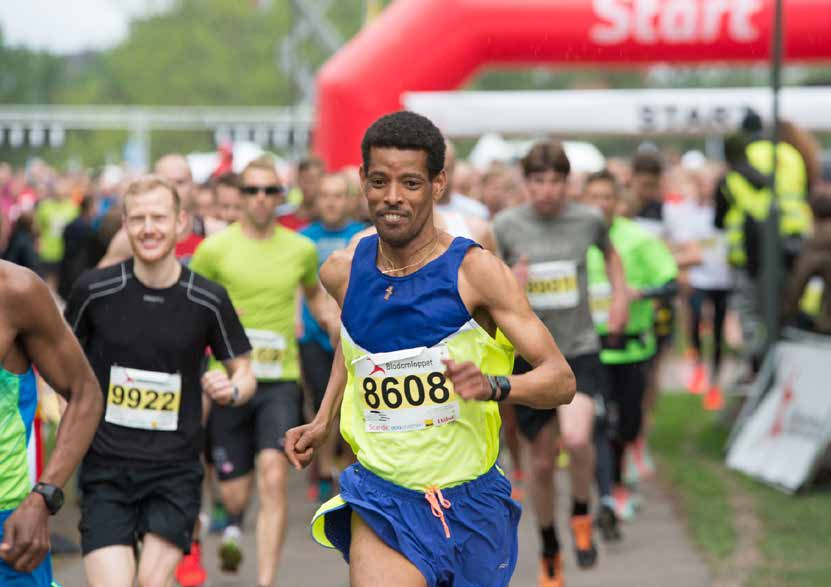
(479, 515)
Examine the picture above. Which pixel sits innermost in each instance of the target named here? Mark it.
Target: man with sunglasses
(262, 265)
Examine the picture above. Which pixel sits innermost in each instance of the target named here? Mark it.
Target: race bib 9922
(146, 400)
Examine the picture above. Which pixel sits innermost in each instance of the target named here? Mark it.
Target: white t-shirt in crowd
(688, 221)
(465, 206)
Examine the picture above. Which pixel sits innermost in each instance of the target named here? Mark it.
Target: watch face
(57, 499)
(52, 495)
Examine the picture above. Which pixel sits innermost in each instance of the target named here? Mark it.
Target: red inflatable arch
(432, 45)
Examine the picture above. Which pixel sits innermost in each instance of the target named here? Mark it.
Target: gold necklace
(419, 262)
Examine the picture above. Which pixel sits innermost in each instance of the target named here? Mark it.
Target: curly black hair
(406, 130)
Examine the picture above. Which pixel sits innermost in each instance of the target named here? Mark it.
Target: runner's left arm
(220, 385)
(619, 311)
(486, 283)
(51, 346)
(230, 345)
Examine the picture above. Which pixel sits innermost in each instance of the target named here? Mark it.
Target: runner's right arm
(301, 442)
(229, 344)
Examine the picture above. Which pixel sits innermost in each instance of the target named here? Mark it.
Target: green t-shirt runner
(647, 263)
(262, 277)
(51, 217)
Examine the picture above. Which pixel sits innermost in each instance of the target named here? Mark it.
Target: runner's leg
(272, 473)
(719, 298)
(158, 561)
(576, 421)
(373, 563)
(111, 566)
(542, 487)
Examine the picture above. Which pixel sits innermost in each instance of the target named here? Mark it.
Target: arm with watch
(234, 385)
(491, 292)
(50, 345)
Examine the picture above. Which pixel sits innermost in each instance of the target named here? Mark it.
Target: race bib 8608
(406, 390)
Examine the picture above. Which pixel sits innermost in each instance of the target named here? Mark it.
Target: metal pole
(773, 273)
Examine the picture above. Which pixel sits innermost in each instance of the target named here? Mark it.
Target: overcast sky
(68, 26)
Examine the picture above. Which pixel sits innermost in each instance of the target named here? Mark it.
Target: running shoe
(230, 553)
(698, 381)
(189, 571)
(608, 525)
(219, 519)
(624, 506)
(713, 400)
(640, 458)
(551, 572)
(584, 547)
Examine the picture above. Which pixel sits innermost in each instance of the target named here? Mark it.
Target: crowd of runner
(430, 311)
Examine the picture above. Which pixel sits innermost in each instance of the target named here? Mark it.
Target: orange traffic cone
(713, 400)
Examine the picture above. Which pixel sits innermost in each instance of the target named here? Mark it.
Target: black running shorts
(238, 433)
(120, 503)
(316, 363)
(592, 380)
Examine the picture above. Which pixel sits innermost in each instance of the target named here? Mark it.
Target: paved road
(654, 553)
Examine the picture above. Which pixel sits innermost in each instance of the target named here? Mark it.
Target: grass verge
(796, 531)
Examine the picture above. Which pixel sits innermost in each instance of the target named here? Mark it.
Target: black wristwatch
(500, 387)
(53, 496)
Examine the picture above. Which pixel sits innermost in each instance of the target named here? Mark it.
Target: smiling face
(153, 224)
(400, 193)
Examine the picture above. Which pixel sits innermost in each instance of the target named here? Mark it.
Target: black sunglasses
(269, 190)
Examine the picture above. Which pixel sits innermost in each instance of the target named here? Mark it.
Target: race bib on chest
(600, 302)
(147, 400)
(269, 348)
(406, 390)
(553, 285)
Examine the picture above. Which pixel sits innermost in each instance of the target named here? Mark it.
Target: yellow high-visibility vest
(744, 199)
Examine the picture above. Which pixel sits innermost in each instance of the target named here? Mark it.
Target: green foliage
(228, 52)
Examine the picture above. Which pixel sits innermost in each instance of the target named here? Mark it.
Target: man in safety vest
(743, 203)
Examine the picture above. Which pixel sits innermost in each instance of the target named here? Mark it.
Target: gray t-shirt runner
(556, 250)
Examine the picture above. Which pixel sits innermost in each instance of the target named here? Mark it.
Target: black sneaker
(606, 522)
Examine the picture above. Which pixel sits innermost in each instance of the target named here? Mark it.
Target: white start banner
(782, 441)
